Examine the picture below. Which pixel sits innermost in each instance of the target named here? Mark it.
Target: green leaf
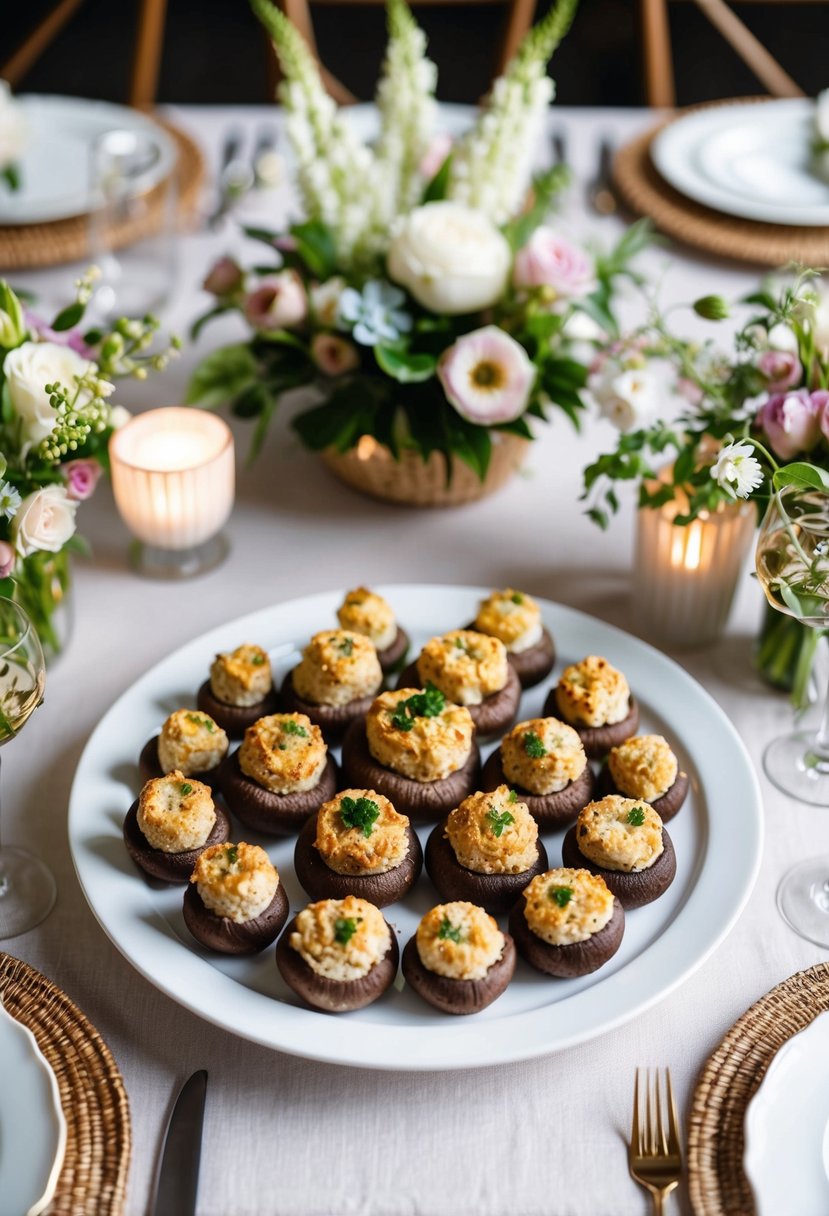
(223, 375)
(250, 402)
(199, 324)
(261, 234)
(68, 317)
(437, 187)
(315, 245)
(11, 176)
(545, 188)
(282, 337)
(598, 311)
(266, 412)
(807, 476)
(404, 366)
(341, 420)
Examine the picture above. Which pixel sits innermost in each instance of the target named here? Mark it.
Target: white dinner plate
(752, 160)
(787, 1128)
(717, 835)
(55, 170)
(32, 1123)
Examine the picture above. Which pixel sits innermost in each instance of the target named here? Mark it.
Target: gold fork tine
(673, 1120)
(660, 1129)
(635, 1137)
(650, 1146)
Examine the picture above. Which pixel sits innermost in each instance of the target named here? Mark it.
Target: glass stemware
(792, 563)
(27, 887)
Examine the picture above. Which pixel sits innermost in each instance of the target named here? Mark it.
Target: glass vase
(42, 585)
(785, 655)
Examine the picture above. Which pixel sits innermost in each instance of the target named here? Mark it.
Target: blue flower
(374, 314)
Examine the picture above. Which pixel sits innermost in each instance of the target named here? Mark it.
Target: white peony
(628, 397)
(28, 369)
(12, 127)
(452, 259)
(44, 520)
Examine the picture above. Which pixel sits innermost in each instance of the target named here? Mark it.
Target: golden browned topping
(424, 746)
(360, 832)
(235, 880)
(176, 813)
(643, 767)
(493, 833)
(459, 940)
(191, 742)
(542, 755)
(338, 666)
(341, 939)
(592, 693)
(565, 906)
(511, 616)
(284, 753)
(620, 833)
(465, 666)
(363, 611)
(242, 677)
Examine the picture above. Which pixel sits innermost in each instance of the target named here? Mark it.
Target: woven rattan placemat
(645, 192)
(30, 246)
(728, 1082)
(93, 1180)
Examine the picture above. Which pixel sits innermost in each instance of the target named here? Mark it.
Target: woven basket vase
(411, 481)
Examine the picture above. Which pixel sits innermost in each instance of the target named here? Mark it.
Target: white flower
(782, 337)
(45, 520)
(119, 415)
(819, 323)
(451, 258)
(325, 300)
(737, 470)
(12, 127)
(487, 376)
(9, 500)
(627, 396)
(28, 369)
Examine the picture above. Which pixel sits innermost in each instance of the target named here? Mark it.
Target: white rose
(325, 300)
(28, 369)
(44, 520)
(451, 258)
(628, 398)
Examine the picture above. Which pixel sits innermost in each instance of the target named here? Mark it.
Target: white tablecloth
(283, 1135)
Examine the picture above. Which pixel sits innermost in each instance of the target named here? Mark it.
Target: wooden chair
(519, 18)
(146, 57)
(658, 60)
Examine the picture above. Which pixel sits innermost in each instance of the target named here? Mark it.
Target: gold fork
(654, 1153)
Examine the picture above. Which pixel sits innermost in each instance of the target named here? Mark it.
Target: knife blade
(177, 1180)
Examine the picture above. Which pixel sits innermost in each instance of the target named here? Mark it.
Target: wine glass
(27, 887)
(792, 562)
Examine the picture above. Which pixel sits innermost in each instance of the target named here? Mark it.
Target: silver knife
(177, 1180)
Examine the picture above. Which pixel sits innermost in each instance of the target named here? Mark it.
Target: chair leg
(147, 59)
(656, 47)
(15, 68)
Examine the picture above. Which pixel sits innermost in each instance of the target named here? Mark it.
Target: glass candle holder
(686, 576)
(173, 478)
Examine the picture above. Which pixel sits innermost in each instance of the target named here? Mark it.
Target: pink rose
(279, 302)
(223, 278)
(791, 422)
(6, 559)
(434, 156)
(334, 355)
(781, 368)
(548, 260)
(487, 376)
(81, 478)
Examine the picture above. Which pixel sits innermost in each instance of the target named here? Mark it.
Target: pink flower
(81, 478)
(6, 559)
(781, 368)
(548, 260)
(434, 156)
(487, 376)
(791, 422)
(223, 278)
(334, 355)
(279, 302)
(688, 389)
(41, 331)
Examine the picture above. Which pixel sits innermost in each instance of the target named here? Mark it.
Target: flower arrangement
(746, 409)
(56, 381)
(424, 295)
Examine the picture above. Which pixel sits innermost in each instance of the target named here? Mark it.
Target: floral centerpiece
(56, 417)
(763, 400)
(423, 295)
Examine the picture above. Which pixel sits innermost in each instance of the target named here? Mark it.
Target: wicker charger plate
(729, 1080)
(30, 246)
(93, 1180)
(647, 193)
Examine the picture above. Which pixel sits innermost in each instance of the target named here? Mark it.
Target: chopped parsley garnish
(560, 895)
(533, 745)
(344, 929)
(427, 704)
(283, 747)
(513, 797)
(517, 597)
(498, 822)
(636, 816)
(448, 931)
(258, 660)
(292, 727)
(359, 813)
(346, 647)
(197, 720)
(459, 643)
(186, 788)
(232, 854)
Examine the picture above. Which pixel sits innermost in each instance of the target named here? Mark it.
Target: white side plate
(717, 835)
(32, 1124)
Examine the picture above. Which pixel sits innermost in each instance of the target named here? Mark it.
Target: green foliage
(222, 376)
(405, 366)
(546, 188)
